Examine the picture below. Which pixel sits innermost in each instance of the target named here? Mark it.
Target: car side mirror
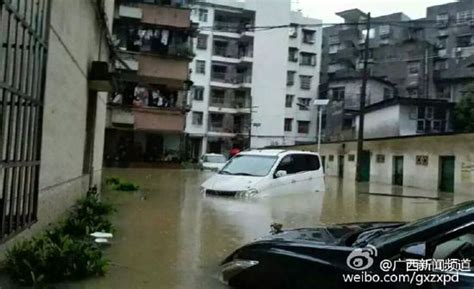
(414, 251)
(280, 174)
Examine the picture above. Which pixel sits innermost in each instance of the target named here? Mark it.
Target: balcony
(225, 125)
(232, 54)
(171, 72)
(232, 29)
(229, 102)
(146, 118)
(231, 80)
(162, 120)
(165, 16)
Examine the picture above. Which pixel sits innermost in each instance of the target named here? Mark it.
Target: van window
(296, 163)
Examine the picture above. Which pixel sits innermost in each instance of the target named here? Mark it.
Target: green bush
(121, 185)
(126, 186)
(65, 252)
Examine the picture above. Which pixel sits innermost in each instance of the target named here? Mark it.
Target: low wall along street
(430, 162)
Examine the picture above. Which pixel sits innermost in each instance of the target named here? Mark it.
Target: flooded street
(170, 236)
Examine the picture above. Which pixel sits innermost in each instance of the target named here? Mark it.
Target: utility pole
(363, 92)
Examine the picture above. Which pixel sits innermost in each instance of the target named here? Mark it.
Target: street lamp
(320, 103)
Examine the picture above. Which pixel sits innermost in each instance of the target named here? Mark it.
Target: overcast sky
(325, 9)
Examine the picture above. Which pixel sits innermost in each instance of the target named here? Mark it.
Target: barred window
(422, 160)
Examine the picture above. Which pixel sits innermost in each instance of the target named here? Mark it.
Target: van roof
(273, 152)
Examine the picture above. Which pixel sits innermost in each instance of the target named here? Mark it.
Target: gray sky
(325, 9)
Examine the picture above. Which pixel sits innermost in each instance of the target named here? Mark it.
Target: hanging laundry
(164, 36)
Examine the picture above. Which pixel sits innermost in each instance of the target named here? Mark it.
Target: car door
(287, 183)
(314, 173)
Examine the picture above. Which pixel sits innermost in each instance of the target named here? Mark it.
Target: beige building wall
(74, 42)
(461, 146)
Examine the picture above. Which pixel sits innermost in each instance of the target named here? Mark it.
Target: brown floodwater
(171, 236)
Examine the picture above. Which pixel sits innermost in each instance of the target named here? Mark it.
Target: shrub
(120, 185)
(65, 252)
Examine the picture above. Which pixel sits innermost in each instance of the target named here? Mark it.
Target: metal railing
(24, 35)
(238, 78)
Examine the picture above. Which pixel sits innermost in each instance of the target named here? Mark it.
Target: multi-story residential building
(53, 106)
(400, 56)
(453, 36)
(146, 119)
(252, 88)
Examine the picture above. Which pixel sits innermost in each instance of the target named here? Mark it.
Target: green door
(446, 183)
(365, 166)
(398, 170)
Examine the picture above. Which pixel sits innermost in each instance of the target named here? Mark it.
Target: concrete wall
(73, 45)
(461, 146)
(381, 123)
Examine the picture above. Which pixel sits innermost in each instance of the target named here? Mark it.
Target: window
(288, 124)
(443, 92)
(202, 15)
(197, 117)
(308, 36)
(458, 247)
(384, 30)
(333, 39)
(297, 163)
(463, 17)
(387, 93)
(441, 65)
(290, 78)
(380, 158)
(293, 30)
(351, 158)
(305, 82)
(303, 126)
(442, 18)
(308, 59)
(412, 92)
(338, 93)
(293, 54)
(422, 160)
(289, 100)
(304, 103)
(217, 97)
(198, 93)
(413, 68)
(200, 66)
(333, 48)
(201, 41)
(463, 41)
(371, 34)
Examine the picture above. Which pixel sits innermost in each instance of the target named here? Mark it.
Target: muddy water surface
(170, 236)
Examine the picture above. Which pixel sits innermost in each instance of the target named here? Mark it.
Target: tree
(463, 118)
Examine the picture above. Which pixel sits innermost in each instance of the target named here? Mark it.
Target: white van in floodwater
(267, 173)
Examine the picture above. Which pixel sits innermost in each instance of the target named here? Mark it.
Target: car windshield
(249, 165)
(214, 159)
(422, 224)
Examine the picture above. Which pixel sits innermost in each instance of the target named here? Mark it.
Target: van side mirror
(414, 251)
(280, 174)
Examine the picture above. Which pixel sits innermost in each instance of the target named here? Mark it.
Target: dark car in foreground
(324, 257)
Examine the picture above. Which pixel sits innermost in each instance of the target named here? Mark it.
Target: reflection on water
(171, 236)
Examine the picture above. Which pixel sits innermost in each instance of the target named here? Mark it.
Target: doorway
(365, 166)
(398, 170)
(340, 171)
(446, 173)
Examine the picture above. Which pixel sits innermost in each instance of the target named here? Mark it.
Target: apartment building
(453, 37)
(53, 120)
(252, 87)
(400, 55)
(146, 117)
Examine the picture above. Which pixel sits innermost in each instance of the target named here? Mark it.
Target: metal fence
(23, 51)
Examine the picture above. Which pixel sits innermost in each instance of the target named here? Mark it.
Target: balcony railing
(225, 103)
(238, 78)
(220, 128)
(230, 53)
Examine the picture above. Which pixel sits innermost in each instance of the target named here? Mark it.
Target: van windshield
(249, 165)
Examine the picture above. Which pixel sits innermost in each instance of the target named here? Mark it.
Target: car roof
(273, 152)
(213, 154)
